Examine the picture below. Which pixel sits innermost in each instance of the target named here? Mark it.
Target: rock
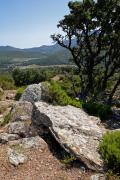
(10, 94)
(19, 128)
(16, 158)
(4, 137)
(32, 93)
(21, 111)
(36, 92)
(33, 142)
(77, 132)
(98, 177)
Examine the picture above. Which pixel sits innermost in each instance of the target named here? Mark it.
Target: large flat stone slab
(77, 132)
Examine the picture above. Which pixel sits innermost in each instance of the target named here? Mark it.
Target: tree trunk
(113, 92)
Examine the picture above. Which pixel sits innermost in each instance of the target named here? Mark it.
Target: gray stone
(32, 93)
(5, 137)
(16, 158)
(74, 130)
(18, 128)
(33, 142)
(36, 92)
(21, 111)
(98, 177)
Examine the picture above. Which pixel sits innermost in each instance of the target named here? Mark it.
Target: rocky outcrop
(21, 111)
(5, 137)
(98, 177)
(35, 93)
(16, 158)
(77, 132)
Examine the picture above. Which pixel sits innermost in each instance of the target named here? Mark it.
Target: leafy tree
(91, 34)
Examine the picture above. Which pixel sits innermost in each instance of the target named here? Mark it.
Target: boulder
(29, 143)
(4, 137)
(36, 92)
(21, 111)
(16, 158)
(19, 128)
(98, 177)
(77, 132)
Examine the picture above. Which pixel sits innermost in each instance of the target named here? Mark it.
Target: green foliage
(19, 93)
(7, 119)
(1, 94)
(93, 43)
(71, 84)
(58, 96)
(24, 77)
(110, 150)
(6, 82)
(68, 159)
(101, 110)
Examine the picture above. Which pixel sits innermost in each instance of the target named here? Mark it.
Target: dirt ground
(41, 165)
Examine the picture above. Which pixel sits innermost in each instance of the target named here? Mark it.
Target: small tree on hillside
(91, 34)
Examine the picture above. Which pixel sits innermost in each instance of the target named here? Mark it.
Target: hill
(11, 57)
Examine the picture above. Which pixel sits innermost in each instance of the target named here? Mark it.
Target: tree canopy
(91, 33)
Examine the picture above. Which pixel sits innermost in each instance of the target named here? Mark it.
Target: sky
(29, 23)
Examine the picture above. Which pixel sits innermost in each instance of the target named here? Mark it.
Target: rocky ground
(40, 163)
(30, 152)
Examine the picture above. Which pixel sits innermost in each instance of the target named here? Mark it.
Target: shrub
(96, 109)
(58, 96)
(6, 82)
(19, 93)
(24, 77)
(110, 150)
(1, 94)
(7, 119)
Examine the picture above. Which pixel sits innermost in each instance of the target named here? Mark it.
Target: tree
(91, 34)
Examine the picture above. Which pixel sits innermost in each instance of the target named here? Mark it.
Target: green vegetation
(110, 150)
(24, 77)
(1, 94)
(6, 81)
(7, 119)
(68, 159)
(58, 96)
(93, 43)
(96, 109)
(19, 92)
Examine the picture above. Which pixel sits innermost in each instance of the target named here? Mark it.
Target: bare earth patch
(41, 165)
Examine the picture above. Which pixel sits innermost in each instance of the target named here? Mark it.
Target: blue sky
(28, 23)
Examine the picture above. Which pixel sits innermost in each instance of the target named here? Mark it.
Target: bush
(110, 150)
(24, 77)
(101, 110)
(6, 82)
(7, 119)
(58, 96)
(19, 93)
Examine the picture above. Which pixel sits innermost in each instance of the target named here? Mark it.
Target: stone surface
(32, 93)
(33, 142)
(21, 111)
(19, 128)
(4, 137)
(98, 177)
(16, 158)
(73, 129)
(36, 92)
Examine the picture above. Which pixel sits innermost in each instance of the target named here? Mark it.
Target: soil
(41, 165)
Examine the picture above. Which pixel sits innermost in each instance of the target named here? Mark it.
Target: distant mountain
(8, 49)
(44, 56)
